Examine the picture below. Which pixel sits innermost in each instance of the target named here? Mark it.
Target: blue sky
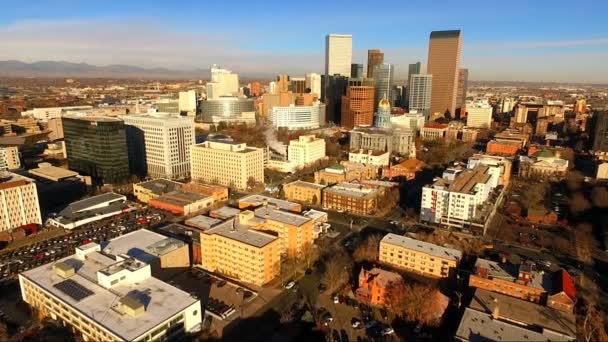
(534, 40)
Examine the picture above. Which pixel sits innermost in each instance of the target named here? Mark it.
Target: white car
(290, 284)
(336, 300)
(387, 331)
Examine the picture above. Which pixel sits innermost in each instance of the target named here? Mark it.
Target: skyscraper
(283, 82)
(420, 92)
(338, 54)
(383, 114)
(461, 95)
(96, 146)
(374, 57)
(313, 82)
(334, 88)
(600, 135)
(223, 83)
(358, 103)
(413, 69)
(159, 144)
(356, 70)
(443, 64)
(187, 102)
(383, 81)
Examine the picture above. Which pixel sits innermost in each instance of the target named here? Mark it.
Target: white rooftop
(423, 247)
(141, 244)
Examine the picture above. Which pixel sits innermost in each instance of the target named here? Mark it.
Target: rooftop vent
(63, 270)
(131, 306)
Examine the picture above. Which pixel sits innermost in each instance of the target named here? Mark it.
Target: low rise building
(496, 317)
(295, 231)
(504, 148)
(543, 165)
(256, 201)
(369, 157)
(300, 191)
(399, 141)
(182, 202)
(239, 251)
(353, 198)
(375, 284)
(145, 191)
(418, 256)
(107, 295)
(189, 235)
(499, 167)
(345, 172)
(406, 169)
(19, 205)
(90, 210)
(433, 131)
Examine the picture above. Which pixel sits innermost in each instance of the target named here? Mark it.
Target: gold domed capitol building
(383, 114)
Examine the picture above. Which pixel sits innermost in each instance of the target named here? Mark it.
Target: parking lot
(39, 253)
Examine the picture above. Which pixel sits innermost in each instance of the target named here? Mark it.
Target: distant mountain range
(13, 68)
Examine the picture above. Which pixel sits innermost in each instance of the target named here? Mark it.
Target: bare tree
(368, 250)
(416, 303)
(599, 197)
(310, 253)
(593, 325)
(584, 242)
(336, 270)
(579, 203)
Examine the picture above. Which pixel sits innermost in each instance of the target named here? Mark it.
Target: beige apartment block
(18, 201)
(238, 251)
(306, 149)
(301, 191)
(417, 256)
(226, 163)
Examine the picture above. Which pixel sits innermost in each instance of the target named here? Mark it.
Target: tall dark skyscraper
(443, 64)
(374, 57)
(334, 88)
(461, 95)
(356, 70)
(600, 132)
(97, 146)
(384, 76)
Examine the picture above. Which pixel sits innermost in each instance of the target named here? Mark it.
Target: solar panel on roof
(73, 289)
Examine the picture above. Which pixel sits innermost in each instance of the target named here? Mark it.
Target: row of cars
(40, 253)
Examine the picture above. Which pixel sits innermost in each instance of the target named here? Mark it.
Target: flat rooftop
(48, 171)
(272, 213)
(181, 231)
(92, 118)
(202, 222)
(234, 231)
(305, 184)
(163, 301)
(10, 180)
(423, 247)
(141, 244)
(160, 186)
(352, 190)
(225, 212)
(258, 200)
(524, 312)
(481, 326)
(466, 181)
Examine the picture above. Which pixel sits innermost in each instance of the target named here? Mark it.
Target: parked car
(336, 299)
(387, 331)
(290, 284)
(327, 318)
(356, 323)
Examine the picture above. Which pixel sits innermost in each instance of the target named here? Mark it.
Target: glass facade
(225, 109)
(97, 146)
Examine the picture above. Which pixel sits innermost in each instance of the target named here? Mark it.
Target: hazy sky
(532, 40)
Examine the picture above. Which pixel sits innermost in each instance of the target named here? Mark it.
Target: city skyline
(245, 38)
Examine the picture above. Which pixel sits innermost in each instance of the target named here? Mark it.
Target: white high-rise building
(479, 115)
(9, 158)
(187, 102)
(420, 92)
(159, 144)
(223, 83)
(298, 117)
(313, 81)
(272, 87)
(305, 150)
(19, 204)
(338, 54)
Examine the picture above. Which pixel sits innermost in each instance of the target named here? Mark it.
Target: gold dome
(384, 103)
